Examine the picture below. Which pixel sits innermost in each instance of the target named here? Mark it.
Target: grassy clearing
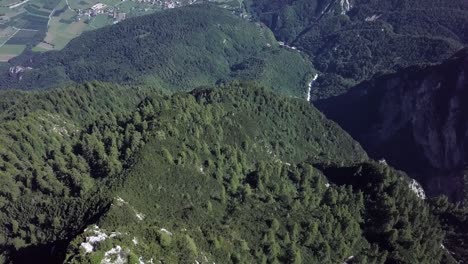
(6, 34)
(6, 57)
(127, 6)
(41, 47)
(8, 52)
(32, 9)
(110, 2)
(23, 37)
(12, 49)
(100, 21)
(62, 29)
(4, 10)
(57, 39)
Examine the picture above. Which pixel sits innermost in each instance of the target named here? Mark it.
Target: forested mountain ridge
(244, 203)
(276, 212)
(152, 170)
(220, 174)
(176, 49)
(415, 119)
(348, 41)
(59, 160)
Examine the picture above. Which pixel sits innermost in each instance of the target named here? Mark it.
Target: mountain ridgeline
(176, 49)
(63, 149)
(234, 174)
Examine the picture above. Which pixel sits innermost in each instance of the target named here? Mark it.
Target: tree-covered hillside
(176, 49)
(260, 211)
(62, 149)
(349, 41)
(50, 180)
(234, 174)
(184, 137)
(206, 188)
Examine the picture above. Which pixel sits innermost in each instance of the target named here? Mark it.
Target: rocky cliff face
(417, 119)
(432, 106)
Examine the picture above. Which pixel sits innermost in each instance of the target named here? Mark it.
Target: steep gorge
(415, 119)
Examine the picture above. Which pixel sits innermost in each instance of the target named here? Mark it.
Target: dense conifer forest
(249, 175)
(185, 136)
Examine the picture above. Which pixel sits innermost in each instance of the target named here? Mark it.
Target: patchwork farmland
(43, 25)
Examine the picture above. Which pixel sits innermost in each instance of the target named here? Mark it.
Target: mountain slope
(100, 173)
(236, 174)
(219, 191)
(175, 49)
(49, 188)
(277, 212)
(59, 161)
(349, 41)
(415, 119)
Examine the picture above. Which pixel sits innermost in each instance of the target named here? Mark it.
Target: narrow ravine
(311, 82)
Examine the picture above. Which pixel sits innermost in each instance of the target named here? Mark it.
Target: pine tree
(223, 195)
(191, 246)
(295, 232)
(168, 156)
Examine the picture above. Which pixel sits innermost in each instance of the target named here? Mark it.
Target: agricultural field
(43, 25)
(71, 19)
(6, 33)
(22, 25)
(8, 52)
(10, 42)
